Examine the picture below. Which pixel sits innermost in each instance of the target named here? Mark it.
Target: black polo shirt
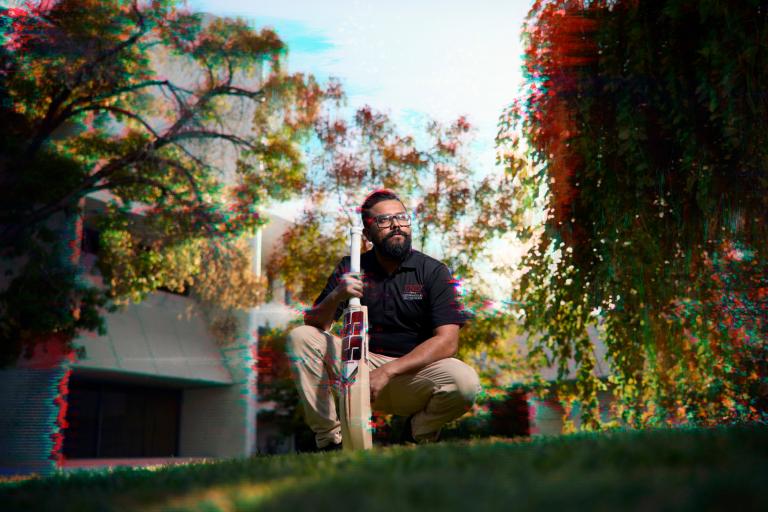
(405, 307)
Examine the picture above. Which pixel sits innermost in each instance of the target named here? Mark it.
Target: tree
(89, 103)
(646, 130)
(454, 210)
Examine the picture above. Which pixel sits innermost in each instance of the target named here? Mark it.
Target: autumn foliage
(183, 126)
(645, 127)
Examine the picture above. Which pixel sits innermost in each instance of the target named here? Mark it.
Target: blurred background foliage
(645, 130)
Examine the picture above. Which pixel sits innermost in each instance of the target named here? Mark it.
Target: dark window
(90, 241)
(117, 420)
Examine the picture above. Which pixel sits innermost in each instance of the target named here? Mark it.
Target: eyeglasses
(385, 221)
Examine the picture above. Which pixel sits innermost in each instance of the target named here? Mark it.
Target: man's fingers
(352, 280)
(355, 290)
(351, 286)
(354, 286)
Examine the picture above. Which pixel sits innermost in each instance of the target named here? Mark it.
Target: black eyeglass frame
(403, 219)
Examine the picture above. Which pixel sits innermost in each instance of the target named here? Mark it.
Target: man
(414, 319)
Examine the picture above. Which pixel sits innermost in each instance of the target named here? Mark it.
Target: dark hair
(373, 198)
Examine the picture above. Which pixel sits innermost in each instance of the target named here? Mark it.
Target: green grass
(681, 469)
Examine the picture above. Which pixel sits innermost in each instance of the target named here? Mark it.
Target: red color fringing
(561, 50)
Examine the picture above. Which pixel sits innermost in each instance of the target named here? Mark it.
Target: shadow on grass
(684, 469)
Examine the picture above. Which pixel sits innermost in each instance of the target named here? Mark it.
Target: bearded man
(414, 319)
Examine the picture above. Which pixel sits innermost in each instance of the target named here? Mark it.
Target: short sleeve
(446, 307)
(341, 269)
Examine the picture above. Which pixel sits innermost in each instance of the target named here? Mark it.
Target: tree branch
(53, 117)
(117, 110)
(183, 170)
(137, 180)
(204, 134)
(135, 87)
(142, 29)
(229, 90)
(172, 135)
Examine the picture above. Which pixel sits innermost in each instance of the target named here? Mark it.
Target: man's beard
(397, 250)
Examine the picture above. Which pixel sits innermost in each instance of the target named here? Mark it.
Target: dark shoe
(330, 447)
(406, 435)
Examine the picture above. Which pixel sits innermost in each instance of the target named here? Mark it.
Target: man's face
(393, 241)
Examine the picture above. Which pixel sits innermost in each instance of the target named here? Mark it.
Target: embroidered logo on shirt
(413, 292)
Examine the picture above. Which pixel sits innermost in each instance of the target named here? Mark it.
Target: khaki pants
(436, 394)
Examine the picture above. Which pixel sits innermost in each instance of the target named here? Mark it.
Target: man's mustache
(404, 235)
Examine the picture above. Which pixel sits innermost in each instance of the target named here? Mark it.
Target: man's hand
(377, 379)
(321, 315)
(350, 285)
(443, 344)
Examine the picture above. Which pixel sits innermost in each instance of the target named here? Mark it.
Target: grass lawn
(682, 469)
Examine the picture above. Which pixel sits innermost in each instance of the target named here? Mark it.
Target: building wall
(221, 421)
(546, 415)
(217, 421)
(165, 336)
(165, 339)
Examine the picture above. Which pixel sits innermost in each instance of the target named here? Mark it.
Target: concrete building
(157, 387)
(159, 384)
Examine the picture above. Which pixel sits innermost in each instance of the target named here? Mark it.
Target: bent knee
(300, 338)
(466, 381)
